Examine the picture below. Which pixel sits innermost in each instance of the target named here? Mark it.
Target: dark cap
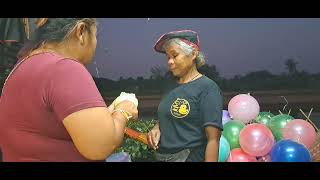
(188, 36)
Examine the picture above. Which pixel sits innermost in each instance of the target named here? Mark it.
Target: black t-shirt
(183, 114)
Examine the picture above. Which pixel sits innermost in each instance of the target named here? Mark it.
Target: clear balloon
(256, 139)
(289, 151)
(243, 107)
(224, 149)
(119, 157)
(300, 131)
(238, 155)
(231, 131)
(225, 117)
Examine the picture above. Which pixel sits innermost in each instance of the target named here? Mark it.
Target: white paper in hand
(126, 96)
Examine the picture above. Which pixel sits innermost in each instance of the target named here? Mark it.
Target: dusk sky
(234, 45)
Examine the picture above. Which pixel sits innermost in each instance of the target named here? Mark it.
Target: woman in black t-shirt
(190, 126)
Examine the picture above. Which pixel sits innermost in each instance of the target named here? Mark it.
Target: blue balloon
(224, 149)
(289, 151)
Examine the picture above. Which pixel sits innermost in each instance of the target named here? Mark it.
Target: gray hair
(200, 59)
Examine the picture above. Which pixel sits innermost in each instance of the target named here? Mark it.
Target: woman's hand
(154, 137)
(129, 107)
(111, 106)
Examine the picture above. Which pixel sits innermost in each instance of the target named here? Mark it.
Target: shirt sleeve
(71, 88)
(211, 104)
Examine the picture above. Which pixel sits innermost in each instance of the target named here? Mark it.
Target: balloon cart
(253, 136)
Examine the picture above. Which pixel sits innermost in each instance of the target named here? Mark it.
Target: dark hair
(53, 30)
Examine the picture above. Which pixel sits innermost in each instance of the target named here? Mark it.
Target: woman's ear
(80, 32)
(195, 54)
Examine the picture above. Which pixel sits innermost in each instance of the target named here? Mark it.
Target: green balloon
(264, 118)
(231, 131)
(277, 123)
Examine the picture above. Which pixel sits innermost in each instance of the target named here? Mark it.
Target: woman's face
(84, 43)
(179, 63)
(89, 47)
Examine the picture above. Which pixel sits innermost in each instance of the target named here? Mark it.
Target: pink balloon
(300, 131)
(238, 155)
(243, 107)
(256, 139)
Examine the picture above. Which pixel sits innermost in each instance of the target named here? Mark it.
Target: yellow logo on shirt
(180, 108)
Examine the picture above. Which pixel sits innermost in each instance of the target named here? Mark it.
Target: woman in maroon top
(50, 107)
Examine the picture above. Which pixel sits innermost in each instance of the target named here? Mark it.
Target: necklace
(195, 77)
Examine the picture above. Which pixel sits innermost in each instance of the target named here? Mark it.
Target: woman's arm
(212, 149)
(211, 105)
(96, 132)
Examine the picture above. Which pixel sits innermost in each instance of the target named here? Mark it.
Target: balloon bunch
(253, 136)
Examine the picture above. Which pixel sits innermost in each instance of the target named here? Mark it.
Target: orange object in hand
(142, 137)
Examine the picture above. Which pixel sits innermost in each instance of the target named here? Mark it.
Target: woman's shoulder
(50, 58)
(60, 62)
(54, 64)
(208, 83)
(65, 60)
